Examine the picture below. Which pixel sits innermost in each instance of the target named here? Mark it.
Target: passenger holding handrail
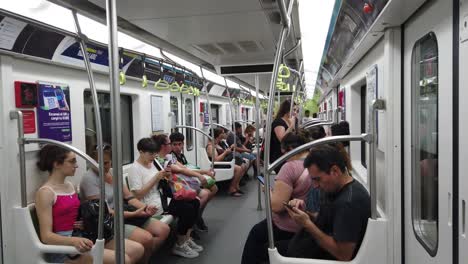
(144, 179)
(57, 207)
(221, 155)
(208, 191)
(337, 232)
(139, 225)
(292, 182)
(283, 124)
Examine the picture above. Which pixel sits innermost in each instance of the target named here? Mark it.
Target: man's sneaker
(194, 245)
(201, 226)
(184, 250)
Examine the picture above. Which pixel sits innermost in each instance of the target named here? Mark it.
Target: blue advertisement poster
(53, 112)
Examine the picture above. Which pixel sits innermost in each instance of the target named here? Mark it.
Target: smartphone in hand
(287, 205)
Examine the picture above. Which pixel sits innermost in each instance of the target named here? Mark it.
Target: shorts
(128, 229)
(249, 156)
(59, 258)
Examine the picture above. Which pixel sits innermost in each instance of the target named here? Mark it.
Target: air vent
(210, 49)
(249, 46)
(229, 47)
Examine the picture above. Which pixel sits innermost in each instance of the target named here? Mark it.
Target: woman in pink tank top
(57, 206)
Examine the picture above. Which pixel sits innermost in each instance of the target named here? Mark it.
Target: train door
(427, 104)
(175, 110)
(188, 118)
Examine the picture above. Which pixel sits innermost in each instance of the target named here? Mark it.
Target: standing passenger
(283, 124)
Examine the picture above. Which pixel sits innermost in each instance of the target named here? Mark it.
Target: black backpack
(89, 213)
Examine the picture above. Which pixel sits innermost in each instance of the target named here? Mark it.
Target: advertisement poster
(157, 122)
(53, 112)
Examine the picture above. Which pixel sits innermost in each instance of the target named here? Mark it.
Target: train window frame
(425, 238)
(127, 152)
(189, 122)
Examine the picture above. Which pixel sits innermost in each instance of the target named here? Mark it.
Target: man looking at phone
(339, 228)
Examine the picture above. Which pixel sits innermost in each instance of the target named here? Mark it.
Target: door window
(188, 122)
(424, 142)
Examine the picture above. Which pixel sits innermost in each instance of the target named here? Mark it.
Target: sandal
(235, 194)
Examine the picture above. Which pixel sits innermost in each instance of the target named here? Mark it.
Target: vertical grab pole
(377, 104)
(22, 158)
(271, 100)
(111, 11)
(257, 138)
(210, 119)
(97, 117)
(232, 119)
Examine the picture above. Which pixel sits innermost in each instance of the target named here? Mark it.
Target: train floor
(229, 220)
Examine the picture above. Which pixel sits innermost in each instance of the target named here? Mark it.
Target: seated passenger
(224, 155)
(143, 180)
(292, 182)
(317, 132)
(57, 207)
(249, 137)
(339, 228)
(243, 151)
(150, 233)
(205, 194)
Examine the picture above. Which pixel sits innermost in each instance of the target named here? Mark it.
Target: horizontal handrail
(196, 129)
(276, 163)
(329, 123)
(222, 126)
(65, 146)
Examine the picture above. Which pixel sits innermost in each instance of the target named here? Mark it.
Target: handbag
(89, 212)
(181, 190)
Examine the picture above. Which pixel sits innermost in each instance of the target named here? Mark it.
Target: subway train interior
(208, 70)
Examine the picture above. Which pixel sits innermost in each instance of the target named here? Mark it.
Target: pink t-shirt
(295, 175)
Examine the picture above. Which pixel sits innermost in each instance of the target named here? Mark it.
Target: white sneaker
(184, 250)
(194, 245)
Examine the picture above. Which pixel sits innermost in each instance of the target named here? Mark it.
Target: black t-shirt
(275, 144)
(180, 158)
(342, 215)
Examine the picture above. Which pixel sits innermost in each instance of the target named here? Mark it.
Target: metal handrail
(222, 126)
(198, 130)
(246, 121)
(322, 141)
(97, 118)
(232, 115)
(289, 52)
(257, 140)
(271, 100)
(111, 17)
(210, 119)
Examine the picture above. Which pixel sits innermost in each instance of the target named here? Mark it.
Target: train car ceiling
(208, 33)
(353, 33)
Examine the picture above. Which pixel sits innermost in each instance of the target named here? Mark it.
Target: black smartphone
(287, 205)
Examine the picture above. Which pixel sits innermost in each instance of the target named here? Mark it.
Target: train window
(175, 109)
(424, 140)
(105, 111)
(215, 113)
(188, 122)
(363, 124)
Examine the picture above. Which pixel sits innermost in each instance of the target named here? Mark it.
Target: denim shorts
(58, 258)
